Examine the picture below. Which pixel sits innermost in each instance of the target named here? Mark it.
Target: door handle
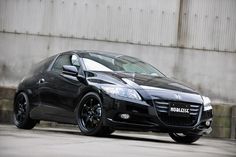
(42, 80)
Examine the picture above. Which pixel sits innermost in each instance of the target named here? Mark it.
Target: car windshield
(119, 63)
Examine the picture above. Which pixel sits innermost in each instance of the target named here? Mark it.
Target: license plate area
(179, 110)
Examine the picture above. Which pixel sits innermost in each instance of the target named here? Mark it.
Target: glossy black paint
(54, 96)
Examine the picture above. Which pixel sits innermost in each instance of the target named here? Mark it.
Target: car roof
(82, 53)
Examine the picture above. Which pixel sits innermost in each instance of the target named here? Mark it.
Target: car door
(35, 79)
(59, 91)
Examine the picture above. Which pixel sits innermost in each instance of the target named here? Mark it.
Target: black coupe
(104, 92)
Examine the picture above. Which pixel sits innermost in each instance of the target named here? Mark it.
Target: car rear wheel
(184, 138)
(21, 112)
(90, 115)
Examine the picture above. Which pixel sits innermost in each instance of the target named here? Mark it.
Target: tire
(90, 114)
(184, 138)
(21, 112)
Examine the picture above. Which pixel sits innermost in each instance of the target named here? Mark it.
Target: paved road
(57, 142)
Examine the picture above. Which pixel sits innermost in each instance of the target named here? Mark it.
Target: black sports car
(102, 93)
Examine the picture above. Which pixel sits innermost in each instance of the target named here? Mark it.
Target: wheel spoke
(95, 107)
(18, 115)
(86, 107)
(87, 119)
(91, 102)
(88, 122)
(21, 109)
(96, 120)
(24, 106)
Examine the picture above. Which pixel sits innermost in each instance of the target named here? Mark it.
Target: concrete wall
(212, 73)
(133, 21)
(193, 41)
(208, 24)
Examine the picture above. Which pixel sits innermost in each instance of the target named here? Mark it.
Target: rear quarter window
(42, 65)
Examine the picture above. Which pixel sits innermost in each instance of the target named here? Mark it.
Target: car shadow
(137, 138)
(132, 138)
(112, 136)
(58, 130)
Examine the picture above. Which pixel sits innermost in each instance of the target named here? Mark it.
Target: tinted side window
(61, 60)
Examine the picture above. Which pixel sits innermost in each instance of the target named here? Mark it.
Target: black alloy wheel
(21, 112)
(89, 115)
(184, 138)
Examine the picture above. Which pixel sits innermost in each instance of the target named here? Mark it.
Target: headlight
(207, 103)
(123, 92)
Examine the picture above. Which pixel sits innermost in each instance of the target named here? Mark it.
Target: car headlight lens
(123, 92)
(207, 103)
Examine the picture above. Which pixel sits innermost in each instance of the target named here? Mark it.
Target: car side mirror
(69, 70)
(73, 71)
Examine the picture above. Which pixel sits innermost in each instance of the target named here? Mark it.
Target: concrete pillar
(233, 123)
(221, 121)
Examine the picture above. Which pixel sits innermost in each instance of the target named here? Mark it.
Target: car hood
(150, 87)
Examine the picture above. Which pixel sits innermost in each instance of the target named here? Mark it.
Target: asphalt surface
(59, 142)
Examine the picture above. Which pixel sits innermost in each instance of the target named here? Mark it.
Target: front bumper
(144, 117)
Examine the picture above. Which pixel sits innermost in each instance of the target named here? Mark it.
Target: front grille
(163, 113)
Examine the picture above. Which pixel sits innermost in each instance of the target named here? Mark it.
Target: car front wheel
(184, 138)
(90, 115)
